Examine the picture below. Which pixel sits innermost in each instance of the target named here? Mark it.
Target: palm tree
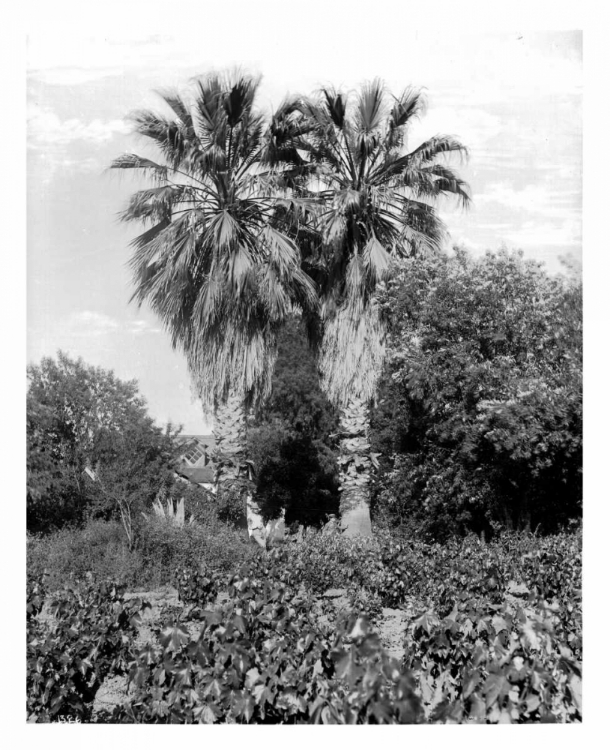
(217, 261)
(376, 205)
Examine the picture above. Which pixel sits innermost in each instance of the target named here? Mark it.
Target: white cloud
(138, 327)
(473, 126)
(81, 59)
(536, 199)
(90, 323)
(45, 127)
(534, 234)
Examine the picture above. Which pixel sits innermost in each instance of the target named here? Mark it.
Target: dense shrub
(479, 420)
(164, 547)
(496, 664)
(199, 502)
(98, 548)
(292, 438)
(87, 636)
(92, 449)
(262, 659)
(295, 479)
(497, 637)
(400, 570)
(197, 586)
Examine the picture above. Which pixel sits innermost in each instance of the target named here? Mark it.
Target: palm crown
(218, 260)
(376, 203)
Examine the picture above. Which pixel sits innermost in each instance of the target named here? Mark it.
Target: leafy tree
(218, 261)
(91, 446)
(292, 440)
(484, 392)
(376, 204)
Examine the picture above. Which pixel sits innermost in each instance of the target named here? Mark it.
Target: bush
(88, 637)
(497, 637)
(484, 663)
(164, 548)
(263, 660)
(98, 548)
(479, 419)
(400, 570)
(196, 586)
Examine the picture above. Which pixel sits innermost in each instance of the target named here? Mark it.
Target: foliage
(296, 398)
(496, 638)
(196, 585)
(217, 260)
(92, 448)
(497, 664)
(97, 548)
(402, 570)
(294, 480)
(199, 502)
(88, 638)
(481, 413)
(164, 548)
(376, 204)
(170, 514)
(262, 659)
(291, 438)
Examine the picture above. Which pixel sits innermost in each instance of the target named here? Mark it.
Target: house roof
(195, 447)
(197, 474)
(194, 463)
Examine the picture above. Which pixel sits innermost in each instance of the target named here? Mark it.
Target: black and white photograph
(304, 368)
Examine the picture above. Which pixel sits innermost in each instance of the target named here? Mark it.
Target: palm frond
(432, 148)
(334, 105)
(352, 354)
(447, 182)
(224, 231)
(409, 104)
(376, 260)
(371, 109)
(132, 161)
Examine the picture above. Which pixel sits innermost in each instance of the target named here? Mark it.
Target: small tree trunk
(125, 509)
(355, 469)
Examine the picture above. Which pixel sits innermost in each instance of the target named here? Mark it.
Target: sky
(512, 96)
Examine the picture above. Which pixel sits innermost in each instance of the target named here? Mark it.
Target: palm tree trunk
(355, 469)
(233, 471)
(230, 442)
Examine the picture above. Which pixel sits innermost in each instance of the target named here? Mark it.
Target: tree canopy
(218, 262)
(90, 444)
(376, 203)
(293, 437)
(480, 420)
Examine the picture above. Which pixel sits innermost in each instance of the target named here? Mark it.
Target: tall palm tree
(377, 203)
(217, 261)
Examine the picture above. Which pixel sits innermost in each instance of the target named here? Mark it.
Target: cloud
(138, 327)
(534, 234)
(45, 127)
(474, 126)
(92, 324)
(61, 64)
(538, 199)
